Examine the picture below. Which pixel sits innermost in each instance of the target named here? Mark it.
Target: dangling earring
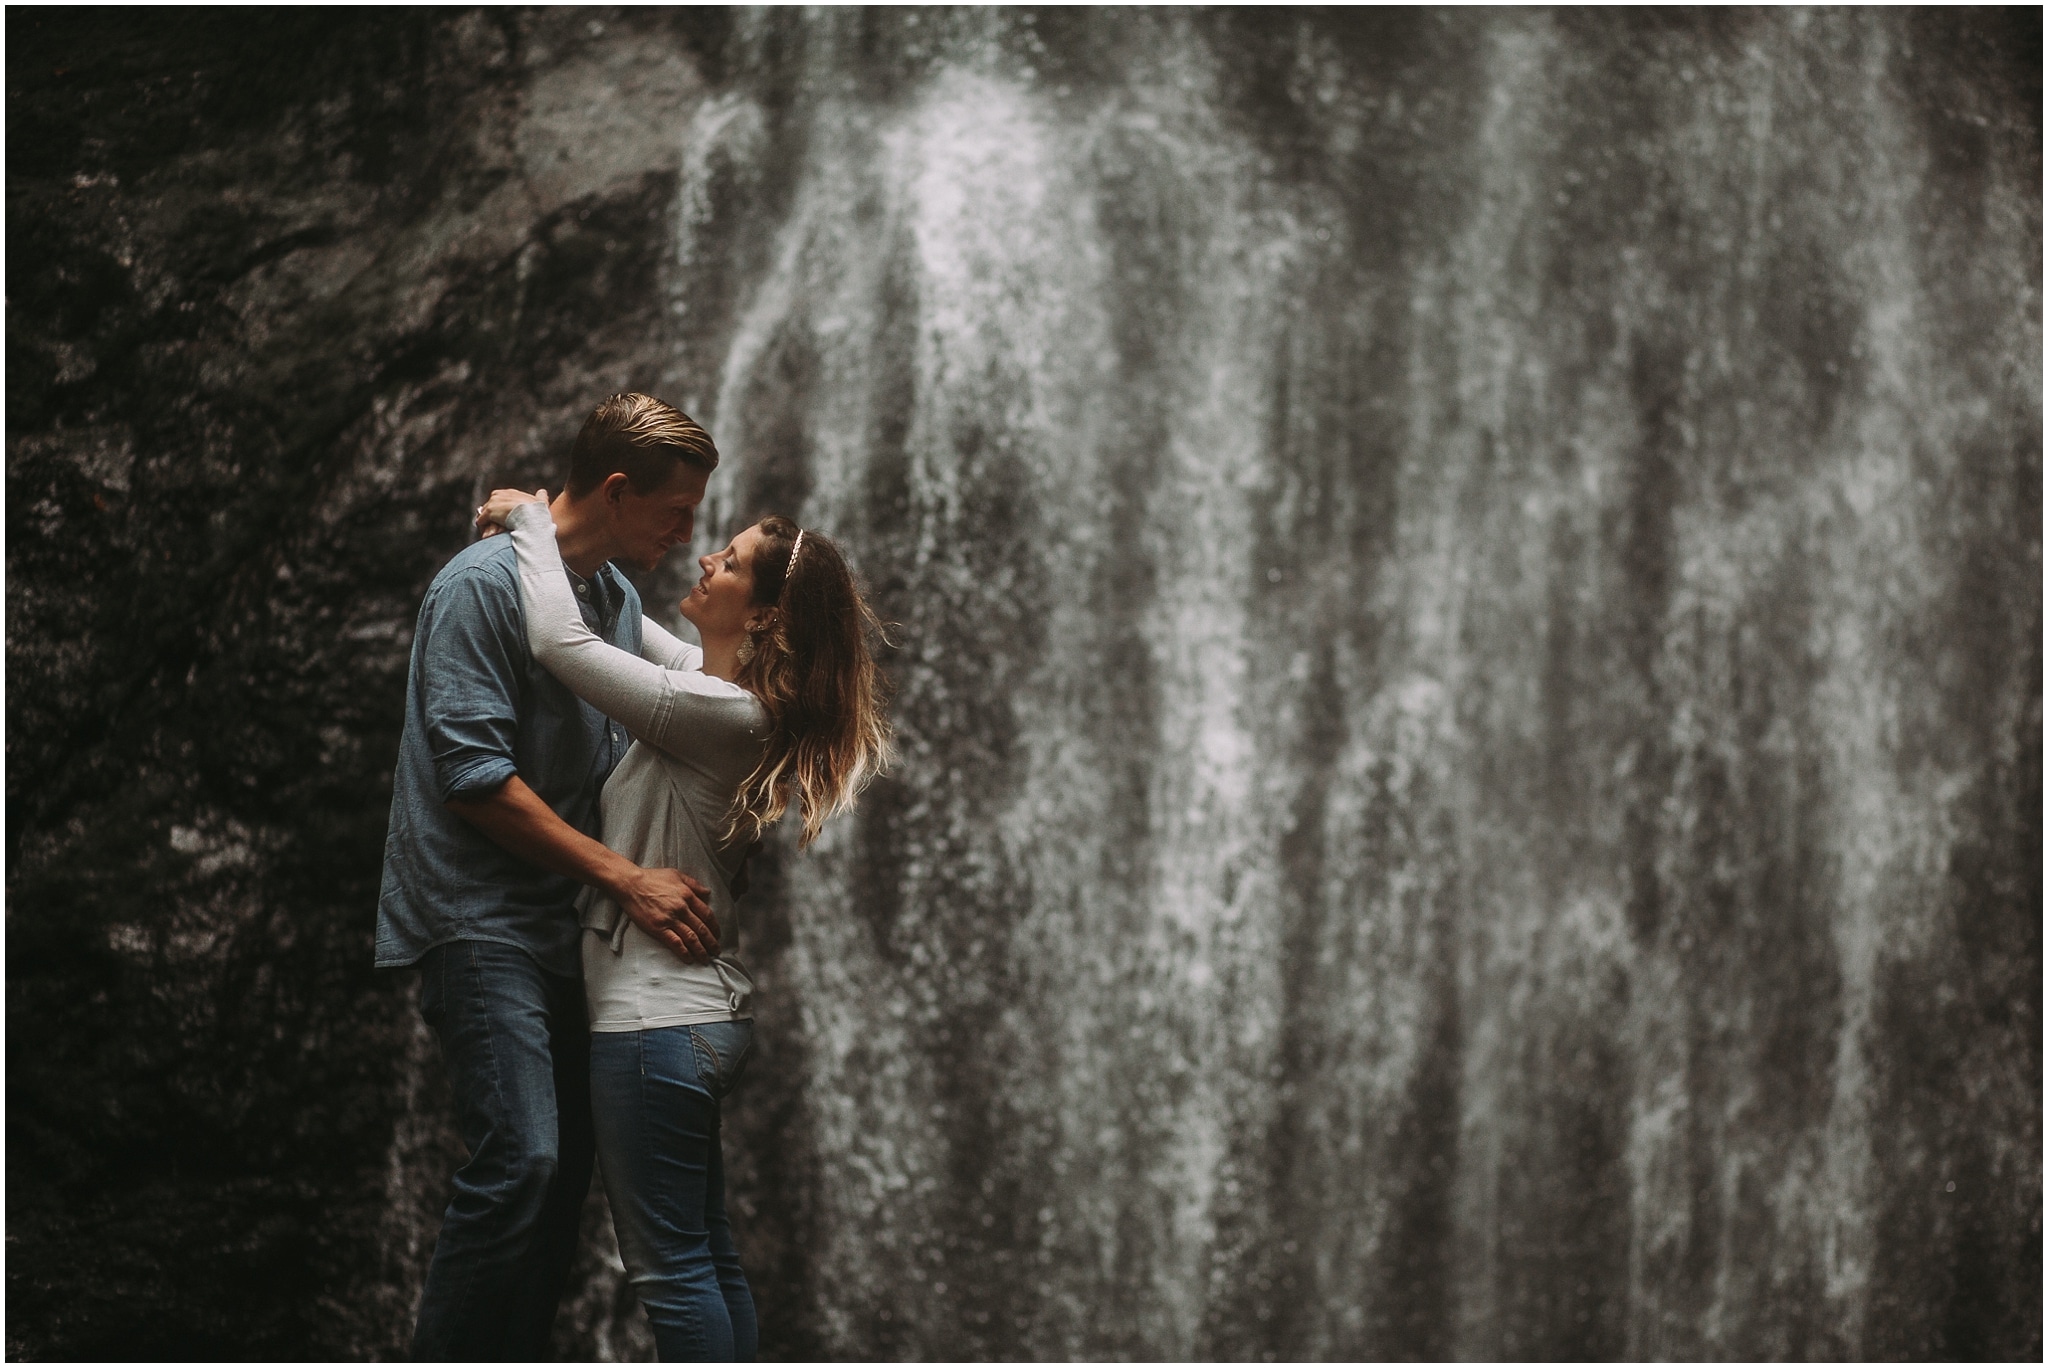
(746, 651)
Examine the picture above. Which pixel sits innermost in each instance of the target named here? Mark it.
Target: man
(494, 816)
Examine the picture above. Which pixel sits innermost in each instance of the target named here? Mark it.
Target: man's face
(645, 526)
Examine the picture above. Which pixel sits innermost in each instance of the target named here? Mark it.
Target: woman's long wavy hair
(813, 670)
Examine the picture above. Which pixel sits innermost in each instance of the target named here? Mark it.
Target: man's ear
(615, 487)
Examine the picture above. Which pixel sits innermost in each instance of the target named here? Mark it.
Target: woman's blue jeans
(655, 1097)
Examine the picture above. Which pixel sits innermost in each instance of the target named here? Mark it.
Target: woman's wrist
(519, 516)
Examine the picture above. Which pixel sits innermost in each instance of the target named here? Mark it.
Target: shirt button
(583, 591)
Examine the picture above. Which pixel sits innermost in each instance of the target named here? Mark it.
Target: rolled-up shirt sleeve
(470, 687)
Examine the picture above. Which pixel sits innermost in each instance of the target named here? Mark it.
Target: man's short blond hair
(640, 437)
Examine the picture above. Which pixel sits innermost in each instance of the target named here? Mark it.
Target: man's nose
(689, 523)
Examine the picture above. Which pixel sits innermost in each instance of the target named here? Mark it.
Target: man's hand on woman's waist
(671, 907)
(667, 905)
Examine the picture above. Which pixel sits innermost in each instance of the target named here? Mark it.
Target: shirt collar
(601, 589)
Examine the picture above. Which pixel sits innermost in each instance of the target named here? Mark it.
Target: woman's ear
(760, 622)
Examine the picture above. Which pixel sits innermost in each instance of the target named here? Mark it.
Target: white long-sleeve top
(696, 738)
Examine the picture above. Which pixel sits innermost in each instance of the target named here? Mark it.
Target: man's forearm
(668, 905)
(514, 816)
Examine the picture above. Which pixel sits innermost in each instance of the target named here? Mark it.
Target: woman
(780, 705)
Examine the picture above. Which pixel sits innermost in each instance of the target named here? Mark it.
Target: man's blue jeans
(516, 1042)
(657, 1098)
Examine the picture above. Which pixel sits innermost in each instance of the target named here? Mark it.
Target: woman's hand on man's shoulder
(491, 514)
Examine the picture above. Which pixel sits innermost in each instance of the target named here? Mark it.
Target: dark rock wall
(1469, 658)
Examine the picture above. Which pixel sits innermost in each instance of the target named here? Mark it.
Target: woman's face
(724, 598)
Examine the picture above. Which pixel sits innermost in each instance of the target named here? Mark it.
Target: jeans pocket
(433, 992)
(722, 1050)
(736, 1066)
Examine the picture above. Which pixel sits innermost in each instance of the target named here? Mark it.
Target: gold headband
(794, 547)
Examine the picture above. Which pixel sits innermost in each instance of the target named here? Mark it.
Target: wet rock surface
(1468, 659)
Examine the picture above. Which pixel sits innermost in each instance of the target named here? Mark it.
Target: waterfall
(1424, 554)
(1465, 600)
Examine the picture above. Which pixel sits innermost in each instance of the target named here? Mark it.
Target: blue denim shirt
(477, 711)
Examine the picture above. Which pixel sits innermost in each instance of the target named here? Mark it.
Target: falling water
(1466, 600)
(1443, 682)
